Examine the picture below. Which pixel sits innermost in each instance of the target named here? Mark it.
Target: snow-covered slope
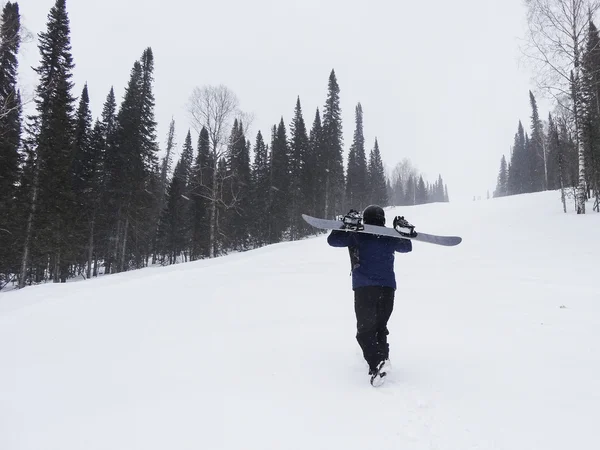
(495, 344)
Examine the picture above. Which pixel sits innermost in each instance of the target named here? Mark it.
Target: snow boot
(378, 374)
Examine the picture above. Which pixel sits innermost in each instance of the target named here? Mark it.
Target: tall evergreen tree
(133, 162)
(317, 163)
(332, 156)
(537, 179)
(10, 136)
(421, 194)
(591, 110)
(238, 186)
(398, 198)
(377, 179)
(49, 221)
(279, 184)
(356, 179)
(261, 193)
(552, 146)
(173, 224)
(517, 176)
(200, 190)
(105, 144)
(439, 194)
(87, 162)
(411, 191)
(300, 174)
(502, 184)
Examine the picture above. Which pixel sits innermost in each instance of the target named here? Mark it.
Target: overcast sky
(440, 82)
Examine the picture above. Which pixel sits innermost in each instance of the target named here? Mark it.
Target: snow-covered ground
(495, 344)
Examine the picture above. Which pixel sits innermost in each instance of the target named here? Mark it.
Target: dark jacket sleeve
(339, 238)
(403, 245)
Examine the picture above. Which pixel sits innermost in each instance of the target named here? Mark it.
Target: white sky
(440, 82)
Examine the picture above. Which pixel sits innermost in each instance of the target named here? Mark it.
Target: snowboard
(327, 224)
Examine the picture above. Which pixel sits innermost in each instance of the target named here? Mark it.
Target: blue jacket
(372, 257)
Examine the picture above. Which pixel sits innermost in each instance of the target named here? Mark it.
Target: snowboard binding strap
(352, 221)
(404, 228)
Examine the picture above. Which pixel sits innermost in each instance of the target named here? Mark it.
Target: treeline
(81, 197)
(564, 151)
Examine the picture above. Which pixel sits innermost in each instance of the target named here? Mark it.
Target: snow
(495, 344)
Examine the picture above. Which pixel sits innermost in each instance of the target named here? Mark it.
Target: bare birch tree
(215, 108)
(556, 38)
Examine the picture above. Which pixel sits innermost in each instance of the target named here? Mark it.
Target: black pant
(373, 306)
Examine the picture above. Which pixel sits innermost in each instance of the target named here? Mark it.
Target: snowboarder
(374, 286)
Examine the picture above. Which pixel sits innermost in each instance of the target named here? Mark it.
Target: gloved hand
(402, 226)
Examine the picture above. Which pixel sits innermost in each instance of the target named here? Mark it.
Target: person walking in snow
(374, 286)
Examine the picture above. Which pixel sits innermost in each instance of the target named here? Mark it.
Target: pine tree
(261, 193)
(133, 168)
(10, 135)
(537, 153)
(411, 191)
(517, 175)
(421, 194)
(279, 184)
(166, 164)
(49, 222)
(439, 193)
(104, 142)
(502, 185)
(173, 224)
(200, 190)
(332, 146)
(552, 145)
(591, 110)
(377, 180)
(88, 155)
(316, 160)
(239, 184)
(356, 179)
(397, 198)
(300, 174)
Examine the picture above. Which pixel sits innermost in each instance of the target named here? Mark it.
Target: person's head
(374, 215)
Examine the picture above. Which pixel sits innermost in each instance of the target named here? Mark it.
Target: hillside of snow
(495, 344)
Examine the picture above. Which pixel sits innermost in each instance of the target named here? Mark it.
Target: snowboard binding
(352, 221)
(404, 228)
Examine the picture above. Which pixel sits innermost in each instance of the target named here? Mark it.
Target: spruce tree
(591, 110)
(87, 162)
(50, 220)
(332, 146)
(536, 151)
(279, 184)
(552, 145)
(421, 193)
(377, 180)
(236, 195)
(439, 192)
(317, 163)
(518, 174)
(502, 184)
(133, 169)
(261, 193)
(200, 190)
(411, 191)
(356, 179)
(105, 140)
(173, 223)
(300, 174)
(10, 136)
